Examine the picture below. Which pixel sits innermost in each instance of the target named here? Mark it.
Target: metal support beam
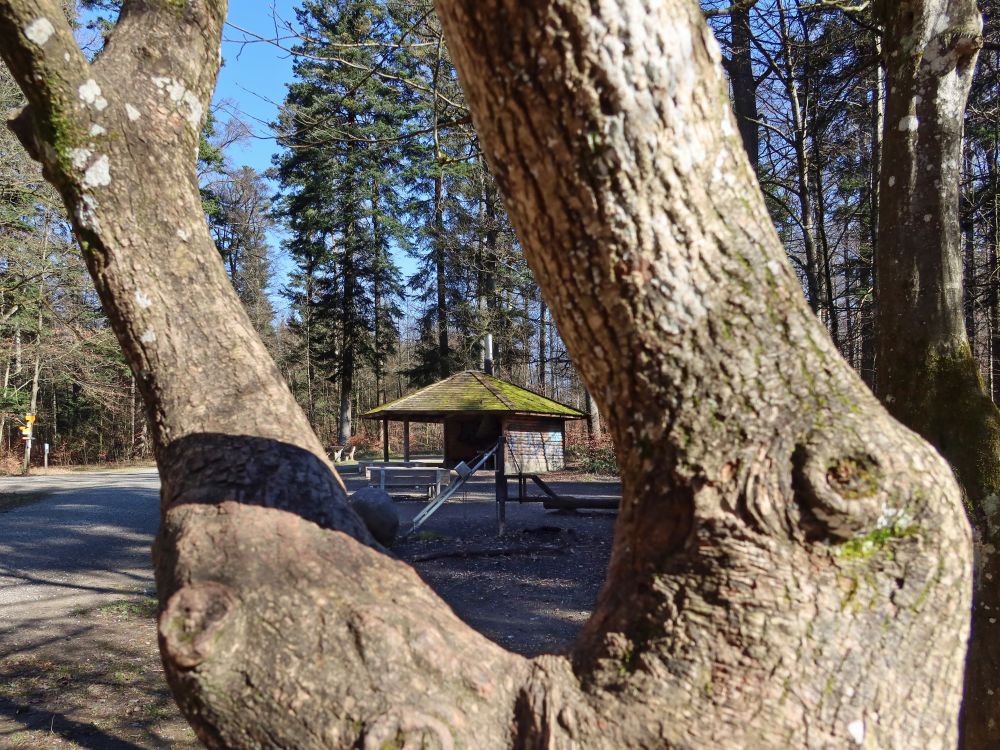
(450, 490)
(385, 439)
(406, 440)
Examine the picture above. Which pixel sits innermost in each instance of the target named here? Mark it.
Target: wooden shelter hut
(480, 412)
(476, 410)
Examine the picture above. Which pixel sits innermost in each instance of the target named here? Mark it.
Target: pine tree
(340, 197)
(240, 219)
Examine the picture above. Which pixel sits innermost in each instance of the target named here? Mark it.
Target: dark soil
(529, 590)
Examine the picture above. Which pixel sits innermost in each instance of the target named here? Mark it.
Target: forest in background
(378, 161)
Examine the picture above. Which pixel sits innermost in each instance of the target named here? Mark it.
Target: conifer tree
(338, 191)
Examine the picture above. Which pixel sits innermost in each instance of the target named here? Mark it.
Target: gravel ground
(78, 660)
(84, 543)
(530, 590)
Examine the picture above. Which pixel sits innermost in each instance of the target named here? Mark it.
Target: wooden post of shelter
(385, 440)
(406, 439)
(501, 478)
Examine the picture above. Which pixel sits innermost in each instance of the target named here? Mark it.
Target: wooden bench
(430, 481)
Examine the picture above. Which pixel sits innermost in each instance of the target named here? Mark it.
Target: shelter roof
(471, 392)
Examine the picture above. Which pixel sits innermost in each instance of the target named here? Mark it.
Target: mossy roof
(471, 392)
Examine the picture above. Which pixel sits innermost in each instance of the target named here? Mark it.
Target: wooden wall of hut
(534, 445)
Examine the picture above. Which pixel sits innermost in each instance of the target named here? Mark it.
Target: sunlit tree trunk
(790, 566)
(543, 349)
(927, 375)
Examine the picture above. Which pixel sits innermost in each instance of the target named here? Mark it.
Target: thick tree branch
(786, 557)
(41, 52)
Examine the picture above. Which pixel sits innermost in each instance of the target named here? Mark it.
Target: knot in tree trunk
(196, 621)
(841, 490)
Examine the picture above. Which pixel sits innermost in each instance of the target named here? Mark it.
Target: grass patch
(144, 608)
(428, 536)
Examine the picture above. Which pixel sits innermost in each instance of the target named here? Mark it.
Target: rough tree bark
(927, 375)
(790, 565)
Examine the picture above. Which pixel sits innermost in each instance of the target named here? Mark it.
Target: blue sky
(254, 76)
(252, 80)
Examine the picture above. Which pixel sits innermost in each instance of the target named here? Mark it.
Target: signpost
(26, 433)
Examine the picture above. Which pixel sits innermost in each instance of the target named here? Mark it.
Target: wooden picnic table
(431, 480)
(364, 465)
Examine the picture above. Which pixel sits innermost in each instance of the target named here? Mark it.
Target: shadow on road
(83, 735)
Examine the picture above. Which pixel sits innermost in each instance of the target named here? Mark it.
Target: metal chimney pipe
(488, 357)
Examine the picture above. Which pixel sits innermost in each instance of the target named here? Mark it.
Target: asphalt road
(87, 542)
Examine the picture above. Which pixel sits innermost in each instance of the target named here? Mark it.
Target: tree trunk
(742, 80)
(440, 248)
(593, 416)
(491, 201)
(379, 328)
(967, 228)
(636, 303)
(994, 293)
(790, 565)
(344, 417)
(542, 348)
(348, 335)
(132, 452)
(850, 348)
(441, 280)
(833, 321)
(867, 309)
(927, 375)
(969, 276)
(814, 291)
